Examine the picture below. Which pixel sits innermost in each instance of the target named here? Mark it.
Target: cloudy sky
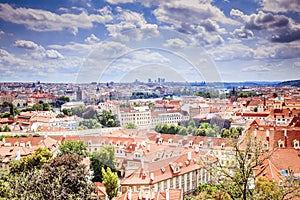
(124, 40)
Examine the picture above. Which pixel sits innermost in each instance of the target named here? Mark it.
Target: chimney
(189, 156)
(3, 140)
(285, 133)
(148, 148)
(267, 135)
(255, 133)
(143, 164)
(167, 194)
(285, 137)
(152, 176)
(129, 194)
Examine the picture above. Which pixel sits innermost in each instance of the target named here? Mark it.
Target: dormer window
(201, 144)
(281, 144)
(160, 141)
(296, 144)
(180, 142)
(191, 143)
(170, 141)
(223, 145)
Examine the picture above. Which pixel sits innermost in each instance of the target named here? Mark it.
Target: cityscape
(150, 100)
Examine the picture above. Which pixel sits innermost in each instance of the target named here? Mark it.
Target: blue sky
(123, 40)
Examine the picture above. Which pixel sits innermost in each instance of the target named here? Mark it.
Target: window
(171, 183)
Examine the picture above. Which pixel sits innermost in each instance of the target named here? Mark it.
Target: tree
(90, 123)
(73, 147)
(103, 158)
(131, 126)
(236, 179)
(31, 162)
(110, 180)
(67, 112)
(63, 178)
(6, 129)
(267, 189)
(192, 123)
(107, 119)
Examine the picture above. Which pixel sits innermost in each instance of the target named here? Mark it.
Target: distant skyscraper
(79, 94)
(149, 80)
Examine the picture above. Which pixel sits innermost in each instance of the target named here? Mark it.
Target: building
(184, 172)
(140, 116)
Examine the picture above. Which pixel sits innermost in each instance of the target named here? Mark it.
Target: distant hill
(293, 83)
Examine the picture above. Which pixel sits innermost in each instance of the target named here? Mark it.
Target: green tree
(6, 129)
(267, 189)
(131, 126)
(107, 119)
(34, 161)
(103, 158)
(78, 111)
(90, 123)
(63, 178)
(192, 123)
(73, 147)
(38, 107)
(110, 180)
(67, 112)
(236, 180)
(182, 130)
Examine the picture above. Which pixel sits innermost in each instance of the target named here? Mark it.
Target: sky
(77, 41)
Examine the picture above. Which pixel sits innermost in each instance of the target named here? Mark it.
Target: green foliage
(208, 94)
(143, 95)
(5, 129)
(267, 189)
(63, 178)
(207, 191)
(107, 119)
(41, 107)
(192, 123)
(110, 180)
(90, 124)
(34, 161)
(131, 126)
(103, 158)
(67, 112)
(73, 147)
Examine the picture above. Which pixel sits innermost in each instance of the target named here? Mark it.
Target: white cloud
(256, 68)
(38, 52)
(131, 25)
(278, 51)
(41, 20)
(8, 58)
(243, 33)
(27, 45)
(281, 5)
(191, 12)
(53, 54)
(231, 51)
(175, 43)
(92, 39)
(280, 28)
